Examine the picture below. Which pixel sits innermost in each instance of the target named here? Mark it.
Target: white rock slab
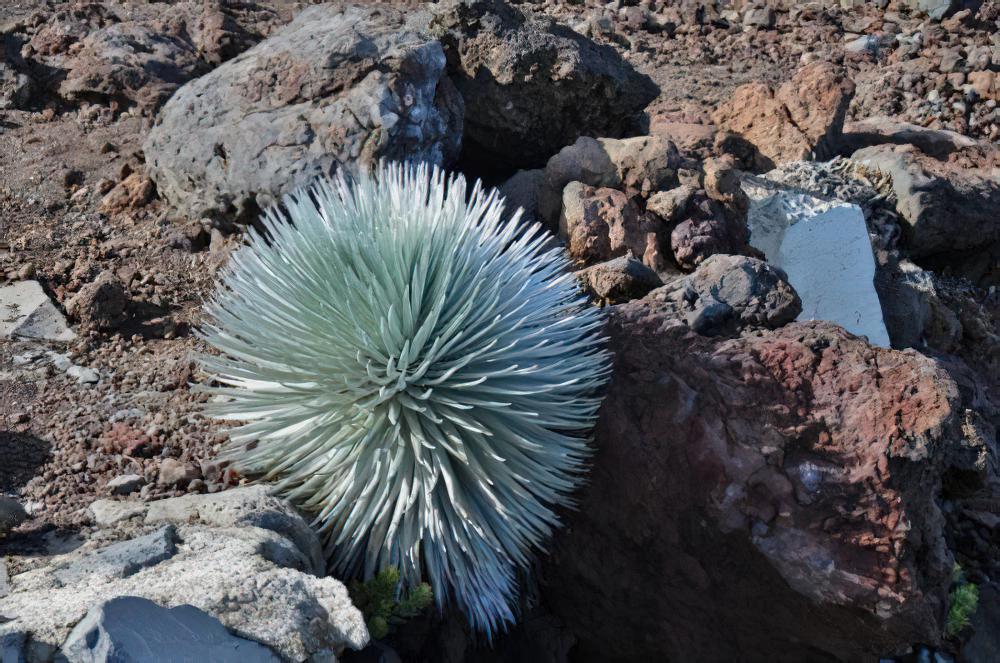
(27, 312)
(824, 248)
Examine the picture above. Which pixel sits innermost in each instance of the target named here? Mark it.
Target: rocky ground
(780, 463)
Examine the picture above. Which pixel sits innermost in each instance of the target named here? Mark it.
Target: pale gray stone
(111, 512)
(243, 556)
(27, 312)
(334, 87)
(119, 560)
(125, 484)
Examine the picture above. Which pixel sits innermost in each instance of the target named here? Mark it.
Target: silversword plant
(416, 369)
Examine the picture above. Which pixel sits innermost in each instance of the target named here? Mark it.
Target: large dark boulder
(767, 496)
(531, 85)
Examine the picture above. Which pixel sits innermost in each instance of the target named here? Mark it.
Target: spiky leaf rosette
(417, 371)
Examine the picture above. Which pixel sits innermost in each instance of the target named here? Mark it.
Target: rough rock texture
(131, 63)
(618, 281)
(16, 87)
(532, 86)
(242, 556)
(130, 628)
(331, 88)
(946, 207)
(943, 315)
(727, 293)
(779, 488)
(671, 205)
(802, 119)
(707, 229)
(938, 143)
(132, 192)
(521, 191)
(600, 224)
(644, 164)
(101, 302)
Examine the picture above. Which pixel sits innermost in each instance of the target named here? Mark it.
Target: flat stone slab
(27, 312)
(824, 248)
(131, 628)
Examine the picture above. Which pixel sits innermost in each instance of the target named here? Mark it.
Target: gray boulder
(130, 628)
(242, 556)
(531, 85)
(729, 293)
(333, 87)
(946, 207)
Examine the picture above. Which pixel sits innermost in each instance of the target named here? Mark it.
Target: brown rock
(132, 63)
(758, 487)
(687, 136)
(600, 224)
(708, 230)
(135, 191)
(177, 473)
(643, 164)
(618, 281)
(802, 119)
(100, 303)
(984, 83)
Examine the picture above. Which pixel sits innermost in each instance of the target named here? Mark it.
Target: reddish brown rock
(802, 119)
(132, 63)
(618, 281)
(101, 302)
(710, 228)
(771, 497)
(134, 191)
(600, 224)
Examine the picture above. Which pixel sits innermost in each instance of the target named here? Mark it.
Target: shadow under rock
(22, 456)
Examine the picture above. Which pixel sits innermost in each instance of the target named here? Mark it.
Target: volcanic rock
(796, 469)
(802, 119)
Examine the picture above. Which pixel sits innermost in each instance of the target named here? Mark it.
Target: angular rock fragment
(618, 281)
(101, 302)
(727, 293)
(802, 119)
(825, 249)
(27, 312)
